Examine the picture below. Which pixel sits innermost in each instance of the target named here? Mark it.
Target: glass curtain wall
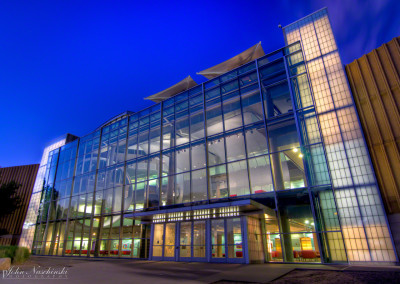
(253, 132)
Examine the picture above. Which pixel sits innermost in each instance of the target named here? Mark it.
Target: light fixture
(312, 224)
(300, 155)
(295, 150)
(307, 222)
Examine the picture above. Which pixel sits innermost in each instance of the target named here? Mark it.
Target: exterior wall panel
(25, 176)
(375, 82)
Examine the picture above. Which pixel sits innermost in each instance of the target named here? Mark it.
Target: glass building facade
(265, 163)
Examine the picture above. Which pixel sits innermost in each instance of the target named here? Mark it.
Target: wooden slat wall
(375, 82)
(24, 175)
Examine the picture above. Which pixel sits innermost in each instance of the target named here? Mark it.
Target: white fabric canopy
(179, 87)
(248, 55)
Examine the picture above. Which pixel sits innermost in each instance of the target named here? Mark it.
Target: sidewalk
(115, 271)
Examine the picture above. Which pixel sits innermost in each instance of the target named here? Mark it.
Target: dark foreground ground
(119, 271)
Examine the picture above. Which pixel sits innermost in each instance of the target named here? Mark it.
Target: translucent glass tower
(362, 215)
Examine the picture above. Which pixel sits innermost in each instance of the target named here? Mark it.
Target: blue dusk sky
(68, 66)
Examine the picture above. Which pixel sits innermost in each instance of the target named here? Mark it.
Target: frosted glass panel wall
(361, 212)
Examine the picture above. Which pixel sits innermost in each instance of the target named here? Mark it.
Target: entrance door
(164, 241)
(227, 240)
(192, 241)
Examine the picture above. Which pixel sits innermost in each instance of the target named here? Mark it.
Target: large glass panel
(167, 191)
(169, 249)
(235, 149)
(140, 195)
(141, 171)
(214, 117)
(130, 173)
(168, 132)
(199, 185)
(218, 186)
(198, 156)
(199, 239)
(277, 99)
(216, 151)
(132, 147)
(296, 217)
(251, 104)
(185, 239)
(182, 188)
(238, 179)
(153, 193)
(155, 139)
(256, 141)
(288, 169)
(168, 163)
(283, 135)
(128, 198)
(154, 167)
(232, 112)
(218, 238)
(182, 130)
(260, 175)
(197, 123)
(143, 141)
(234, 238)
(182, 160)
(274, 248)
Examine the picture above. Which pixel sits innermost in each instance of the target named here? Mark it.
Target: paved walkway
(119, 271)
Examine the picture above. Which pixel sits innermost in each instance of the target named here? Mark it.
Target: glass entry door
(227, 240)
(164, 241)
(192, 241)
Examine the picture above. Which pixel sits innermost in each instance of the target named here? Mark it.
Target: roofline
(324, 8)
(114, 118)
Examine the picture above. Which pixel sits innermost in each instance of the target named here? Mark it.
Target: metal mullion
(206, 142)
(242, 129)
(277, 214)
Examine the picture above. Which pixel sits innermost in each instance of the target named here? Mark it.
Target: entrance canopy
(248, 55)
(179, 87)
